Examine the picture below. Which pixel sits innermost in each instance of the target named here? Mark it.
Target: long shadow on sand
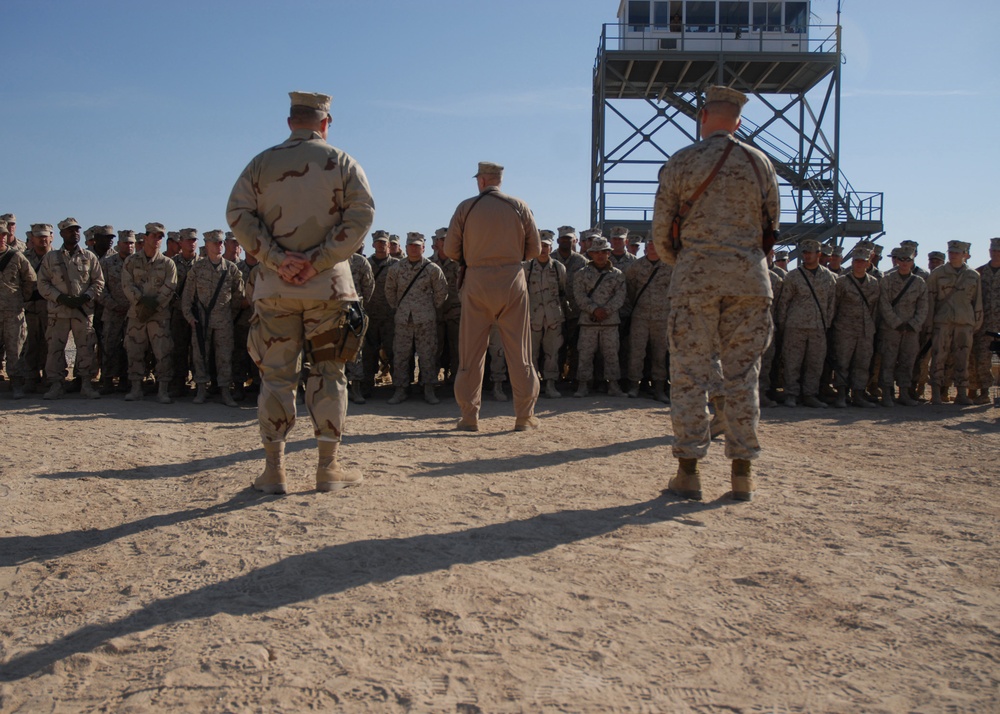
(339, 568)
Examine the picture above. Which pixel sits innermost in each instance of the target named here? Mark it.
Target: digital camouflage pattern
(36, 317)
(381, 323)
(415, 290)
(955, 305)
(804, 321)
(364, 285)
(982, 357)
(856, 307)
(595, 335)
(17, 283)
(549, 304)
(216, 326)
(180, 329)
(114, 359)
(648, 328)
(899, 346)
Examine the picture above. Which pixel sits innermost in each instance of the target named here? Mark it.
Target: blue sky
(128, 112)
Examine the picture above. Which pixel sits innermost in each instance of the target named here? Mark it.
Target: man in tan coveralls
(302, 208)
(71, 280)
(492, 234)
(720, 292)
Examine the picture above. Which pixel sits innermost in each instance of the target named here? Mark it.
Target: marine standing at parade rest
(903, 312)
(17, 283)
(450, 315)
(599, 292)
(381, 322)
(855, 310)
(648, 283)
(720, 292)
(492, 234)
(36, 310)
(149, 281)
(213, 287)
(546, 280)
(982, 356)
(180, 328)
(114, 358)
(364, 285)
(71, 280)
(302, 208)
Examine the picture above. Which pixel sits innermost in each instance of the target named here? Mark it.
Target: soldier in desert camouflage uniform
(149, 281)
(180, 328)
(648, 282)
(450, 315)
(599, 292)
(547, 294)
(244, 370)
(17, 283)
(805, 313)
(12, 240)
(71, 280)
(302, 208)
(903, 313)
(720, 292)
(116, 305)
(364, 285)
(36, 311)
(572, 261)
(381, 323)
(415, 289)
(213, 286)
(856, 306)
(982, 357)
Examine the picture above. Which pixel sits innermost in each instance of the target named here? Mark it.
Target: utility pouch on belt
(342, 343)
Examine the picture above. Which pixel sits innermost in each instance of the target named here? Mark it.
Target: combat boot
(106, 385)
(330, 476)
(550, 389)
(87, 390)
(633, 390)
(162, 394)
(858, 399)
(742, 480)
(135, 393)
(55, 390)
(905, 399)
(615, 389)
(202, 395)
(398, 397)
(429, 396)
(687, 482)
(31, 385)
(356, 395)
(498, 392)
(227, 397)
(812, 401)
(840, 402)
(239, 391)
(936, 394)
(17, 388)
(272, 478)
(660, 392)
(962, 398)
(887, 400)
(983, 397)
(582, 390)
(790, 401)
(766, 402)
(529, 424)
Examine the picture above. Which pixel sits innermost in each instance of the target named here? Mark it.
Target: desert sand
(498, 571)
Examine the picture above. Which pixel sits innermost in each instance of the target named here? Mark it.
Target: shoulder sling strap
(422, 267)
(675, 228)
(651, 276)
(813, 291)
(599, 279)
(899, 295)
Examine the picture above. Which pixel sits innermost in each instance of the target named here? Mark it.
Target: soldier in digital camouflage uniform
(364, 285)
(572, 261)
(648, 283)
(450, 315)
(70, 279)
(720, 292)
(180, 328)
(36, 311)
(149, 282)
(955, 303)
(805, 313)
(982, 356)
(903, 313)
(116, 306)
(635, 240)
(547, 294)
(395, 248)
(621, 258)
(767, 361)
(302, 208)
(12, 240)
(855, 313)
(381, 323)
(17, 283)
(415, 290)
(213, 286)
(599, 292)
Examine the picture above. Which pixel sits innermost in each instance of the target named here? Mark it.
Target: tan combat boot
(55, 391)
(615, 389)
(962, 398)
(429, 396)
(550, 389)
(272, 478)
(633, 390)
(87, 390)
(583, 389)
(935, 394)
(660, 392)
(329, 474)
(841, 400)
(356, 395)
(687, 482)
(17, 388)
(398, 397)
(742, 479)
(887, 400)
(135, 392)
(202, 396)
(983, 397)
(227, 397)
(162, 395)
(498, 392)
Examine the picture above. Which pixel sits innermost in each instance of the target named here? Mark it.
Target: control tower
(652, 68)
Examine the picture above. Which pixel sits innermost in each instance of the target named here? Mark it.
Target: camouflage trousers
(954, 341)
(278, 332)
(36, 346)
(355, 371)
(739, 328)
(852, 354)
(115, 357)
(593, 338)
(498, 360)
(57, 334)
(380, 336)
(652, 334)
(14, 332)
(140, 338)
(218, 343)
(545, 344)
(899, 354)
(447, 355)
(767, 363)
(981, 366)
(410, 337)
(180, 333)
(242, 364)
(803, 353)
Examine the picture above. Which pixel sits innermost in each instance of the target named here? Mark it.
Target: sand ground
(499, 571)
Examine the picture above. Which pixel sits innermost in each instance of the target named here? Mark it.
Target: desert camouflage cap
(189, 234)
(958, 246)
(414, 238)
(619, 232)
(319, 102)
(838, 250)
(155, 228)
(935, 255)
(591, 233)
(599, 243)
(781, 255)
(994, 243)
(902, 253)
(809, 246)
(393, 238)
(636, 238)
(104, 231)
(440, 233)
(214, 236)
(69, 223)
(380, 236)
(546, 235)
(8, 218)
(876, 250)
(173, 235)
(41, 229)
(488, 168)
(718, 93)
(864, 254)
(910, 243)
(826, 249)
(567, 231)
(126, 236)
(230, 235)
(4, 230)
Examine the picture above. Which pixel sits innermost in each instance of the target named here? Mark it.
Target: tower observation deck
(651, 71)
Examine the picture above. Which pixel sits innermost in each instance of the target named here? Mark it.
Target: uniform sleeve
(390, 287)
(27, 278)
(367, 280)
(920, 308)
(889, 316)
(247, 226)
(977, 304)
(665, 208)
(357, 214)
(532, 239)
(454, 239)
(439, 286)
(188, 295)
(132, 293)
(169, 287)
(236, 284)
(96, 286)
(618, 291)
(46, 287)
